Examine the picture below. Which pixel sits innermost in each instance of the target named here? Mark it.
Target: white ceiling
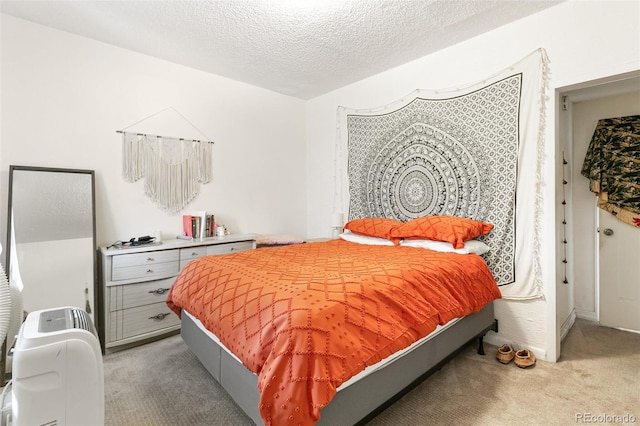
(302, 48)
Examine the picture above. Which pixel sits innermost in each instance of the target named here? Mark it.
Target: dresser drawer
(143, 319)
(191, 253)
(136, 283)
(229, 247)
(139, 294)
(147, 258)
(156, 270)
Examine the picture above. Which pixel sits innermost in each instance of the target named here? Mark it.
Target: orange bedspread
(307, 317)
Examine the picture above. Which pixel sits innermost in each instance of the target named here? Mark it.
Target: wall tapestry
(173, 168)
(474, 152)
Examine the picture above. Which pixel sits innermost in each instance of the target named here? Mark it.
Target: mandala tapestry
(474, 153)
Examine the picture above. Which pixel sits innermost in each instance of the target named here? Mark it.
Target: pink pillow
(278, 239)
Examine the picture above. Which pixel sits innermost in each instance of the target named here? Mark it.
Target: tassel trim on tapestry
(542, 124)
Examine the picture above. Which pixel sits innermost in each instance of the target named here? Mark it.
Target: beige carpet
(162, 383)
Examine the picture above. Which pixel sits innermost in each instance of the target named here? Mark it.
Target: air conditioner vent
(82, 320)
(65, 319)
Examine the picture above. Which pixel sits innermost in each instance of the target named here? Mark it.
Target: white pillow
(363, 239)
(471, 246)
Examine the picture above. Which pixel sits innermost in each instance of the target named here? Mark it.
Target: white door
(619, 273)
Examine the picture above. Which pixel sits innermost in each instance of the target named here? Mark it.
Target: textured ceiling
(302, 48)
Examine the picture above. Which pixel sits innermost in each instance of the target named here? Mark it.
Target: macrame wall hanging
(173, 168)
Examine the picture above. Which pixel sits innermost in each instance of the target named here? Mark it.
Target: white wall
(63, 98)
(584, 41)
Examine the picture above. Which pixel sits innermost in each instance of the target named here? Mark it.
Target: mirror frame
(94, 259)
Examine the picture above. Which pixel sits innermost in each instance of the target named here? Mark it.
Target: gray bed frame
(382, 387)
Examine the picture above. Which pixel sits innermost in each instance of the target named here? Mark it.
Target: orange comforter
(307, 317)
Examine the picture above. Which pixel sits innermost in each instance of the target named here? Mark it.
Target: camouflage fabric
(612, 165)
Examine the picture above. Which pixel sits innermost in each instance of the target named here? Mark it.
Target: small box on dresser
(134, 282)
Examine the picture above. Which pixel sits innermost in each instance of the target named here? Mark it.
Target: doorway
(587, 288)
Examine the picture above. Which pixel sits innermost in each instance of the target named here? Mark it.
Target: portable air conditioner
(58, 376)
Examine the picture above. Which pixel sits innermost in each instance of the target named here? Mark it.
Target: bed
(260, 320)
(285, 329)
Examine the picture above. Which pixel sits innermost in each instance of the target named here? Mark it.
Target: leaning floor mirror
(51, 239)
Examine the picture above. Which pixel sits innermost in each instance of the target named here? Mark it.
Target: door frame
(596, 253)
(564, 293)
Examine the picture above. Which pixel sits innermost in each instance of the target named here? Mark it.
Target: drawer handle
(233, 249)
(149, 271)
(159, 291)
(194, 254)
(149, 259)
(159, 316)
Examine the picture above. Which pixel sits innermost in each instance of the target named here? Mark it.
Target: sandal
(505, 354)
(525, 358)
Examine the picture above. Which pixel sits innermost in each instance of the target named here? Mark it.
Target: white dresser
(135, 282)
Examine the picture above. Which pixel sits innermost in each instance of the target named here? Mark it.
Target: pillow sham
(472, 246)
(363, 239)
(378, 227)
(453, 229)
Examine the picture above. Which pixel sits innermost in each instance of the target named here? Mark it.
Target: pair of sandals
(523, 358)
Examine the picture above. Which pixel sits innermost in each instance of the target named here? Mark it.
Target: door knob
(608, 232)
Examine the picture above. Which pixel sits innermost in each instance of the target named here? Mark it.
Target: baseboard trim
(587, 315)
(495, 339)
(568, 323)
(627, 330)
